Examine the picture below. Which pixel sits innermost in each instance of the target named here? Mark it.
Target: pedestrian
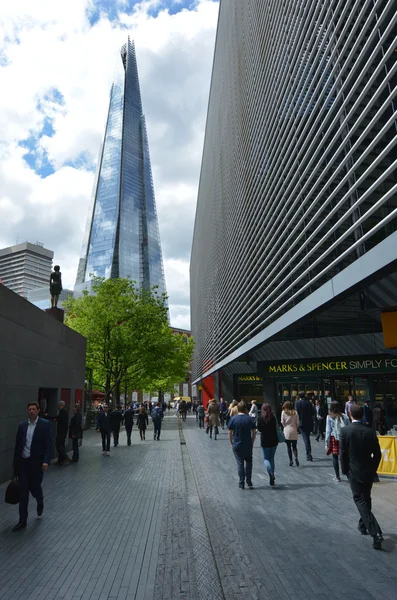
(306, 413)
(201, 415)
(104, 427)
(213, 417)
(253, 413)
(290, 423)
(233, 410)
(336, 420)
(320, 420)
(379, 419)
(157, 417)
(360, 457)
(183, 410)
(350, 402)
(142, 421)
(32, 456)
(242, 433)
(222, 412)
(62, 420)
(76, 431)
(129, 423)
(267, 426)
(368, 418)
(116, 417)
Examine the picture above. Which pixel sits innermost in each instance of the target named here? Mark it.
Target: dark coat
(41, 442)
(306, 413)
(103, 422)
(268, 432)
(76, 426)
(142, 420)
(368, 416)
(360, 452)
(379, 423)
(129, 418)
(62, 420)
(116, 416)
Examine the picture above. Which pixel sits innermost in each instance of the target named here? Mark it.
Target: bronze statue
(55, 286)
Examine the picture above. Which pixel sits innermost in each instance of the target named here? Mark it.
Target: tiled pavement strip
(166, 521)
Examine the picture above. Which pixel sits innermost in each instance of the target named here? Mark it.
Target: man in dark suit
(103, 425)
(360, 457)
(116, 416)
(129, 423)
(62, 420)
(368, 417)
(306, 413)
(32, 456)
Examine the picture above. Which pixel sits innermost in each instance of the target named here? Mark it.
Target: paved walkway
(166, 521)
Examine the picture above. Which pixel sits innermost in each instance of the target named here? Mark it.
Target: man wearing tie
(32, 456)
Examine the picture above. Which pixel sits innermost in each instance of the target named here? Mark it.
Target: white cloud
(50, 45)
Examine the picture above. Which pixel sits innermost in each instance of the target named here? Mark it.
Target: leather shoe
(19, 526)
(40, 508)
(249, 483)
(377, 543)
(241, 486)
(362, 531)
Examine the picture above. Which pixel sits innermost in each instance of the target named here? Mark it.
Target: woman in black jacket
(142, 422)
(267, 425)
(76, 431)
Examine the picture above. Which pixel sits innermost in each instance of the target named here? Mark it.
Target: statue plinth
(56, 313)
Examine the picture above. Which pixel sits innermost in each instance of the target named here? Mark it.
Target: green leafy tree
(129, 341)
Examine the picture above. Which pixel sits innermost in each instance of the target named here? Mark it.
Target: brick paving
(167, 521)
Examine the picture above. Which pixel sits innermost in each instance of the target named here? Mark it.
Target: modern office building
(25, 267)
(122, 235)
(294, 256)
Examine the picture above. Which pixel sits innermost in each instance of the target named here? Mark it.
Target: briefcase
(12, 491)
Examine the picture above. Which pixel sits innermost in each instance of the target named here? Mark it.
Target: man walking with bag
(32, 456)
(306, 412)
(242, 433)
(157, 417)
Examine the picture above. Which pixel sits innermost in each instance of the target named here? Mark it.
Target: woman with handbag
(290, 423)
(336, 420)
(267, 425)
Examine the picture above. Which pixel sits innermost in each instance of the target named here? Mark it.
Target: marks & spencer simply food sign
(329, 366)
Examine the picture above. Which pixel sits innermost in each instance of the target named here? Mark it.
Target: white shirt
(29, 437)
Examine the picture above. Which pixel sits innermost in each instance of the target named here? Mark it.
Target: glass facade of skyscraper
(297, 203)
(122, 236)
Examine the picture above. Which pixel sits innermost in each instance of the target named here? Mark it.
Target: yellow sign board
(388, 462)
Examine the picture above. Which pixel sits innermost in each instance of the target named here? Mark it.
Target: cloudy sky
(57, 61)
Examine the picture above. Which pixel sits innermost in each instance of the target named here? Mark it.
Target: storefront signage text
(331, 366)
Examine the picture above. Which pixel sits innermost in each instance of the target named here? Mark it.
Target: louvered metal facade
(299, 170)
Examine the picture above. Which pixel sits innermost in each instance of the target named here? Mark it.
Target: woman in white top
(336, 420)
(290, 423)
(254, 412)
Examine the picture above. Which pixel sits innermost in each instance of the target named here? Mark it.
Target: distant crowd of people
(350, 436)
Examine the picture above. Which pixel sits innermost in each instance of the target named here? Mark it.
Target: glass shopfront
(371, 378)
(248, 387)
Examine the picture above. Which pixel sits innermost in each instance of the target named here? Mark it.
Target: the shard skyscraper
(122, 235)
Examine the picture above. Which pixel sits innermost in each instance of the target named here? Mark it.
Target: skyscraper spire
(122, 236)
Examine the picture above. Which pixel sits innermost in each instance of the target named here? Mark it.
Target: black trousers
(362, 498)
(157, 430)
(75, 442)
(105, 440)
(30, 474)
(306, 440)
(201, 422)
(128, 432)
(292, 447)
(60, 447)
(116, 433)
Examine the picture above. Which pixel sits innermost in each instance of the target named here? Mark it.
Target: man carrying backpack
(201, 415)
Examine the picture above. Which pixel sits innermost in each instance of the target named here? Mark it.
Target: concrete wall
(36, 351)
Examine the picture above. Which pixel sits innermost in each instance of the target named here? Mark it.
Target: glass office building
(122, 235)
(294, 255)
